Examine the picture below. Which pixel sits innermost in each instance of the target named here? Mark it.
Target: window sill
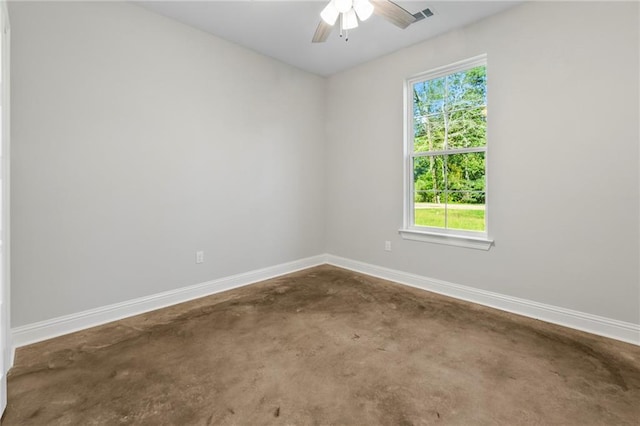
(477, 243)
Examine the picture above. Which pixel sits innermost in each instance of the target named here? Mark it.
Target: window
(445, 154)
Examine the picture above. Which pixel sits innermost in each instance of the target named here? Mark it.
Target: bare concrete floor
(326, 346)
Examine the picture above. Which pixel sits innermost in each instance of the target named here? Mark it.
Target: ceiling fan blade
(393, 13)
(322, 32)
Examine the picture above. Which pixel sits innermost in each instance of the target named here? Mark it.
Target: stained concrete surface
(325, 346)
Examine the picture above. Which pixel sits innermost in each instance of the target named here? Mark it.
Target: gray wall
(563, 158)
(137, 141)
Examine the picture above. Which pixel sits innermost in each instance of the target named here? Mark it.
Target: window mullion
(446, 192)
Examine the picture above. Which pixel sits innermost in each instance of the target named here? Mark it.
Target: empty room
(333, 212)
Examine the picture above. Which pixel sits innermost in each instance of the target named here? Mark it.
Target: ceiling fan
(348, 12)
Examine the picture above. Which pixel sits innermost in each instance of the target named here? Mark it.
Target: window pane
(465, 172)
(466, 216)
(429, 96)
(450, 112)
(428, 117)
(428, 173)
(467, 128)
(430, 209)
(466, 89)
(429, 132)
(466, 191)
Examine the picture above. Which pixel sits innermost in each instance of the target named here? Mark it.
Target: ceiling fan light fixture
(343, 6)
(330, 14)
(363, 8)
(349, 20)
(351, 12)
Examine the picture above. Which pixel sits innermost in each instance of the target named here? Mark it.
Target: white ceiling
(283, 29)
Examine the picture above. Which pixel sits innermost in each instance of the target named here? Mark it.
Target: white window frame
(461, 238)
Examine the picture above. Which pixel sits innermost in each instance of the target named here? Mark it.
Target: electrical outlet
(387, 245)
(199, 257)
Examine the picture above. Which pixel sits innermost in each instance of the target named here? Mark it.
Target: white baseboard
(43, 330)
(619, 330)
(55, 327)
